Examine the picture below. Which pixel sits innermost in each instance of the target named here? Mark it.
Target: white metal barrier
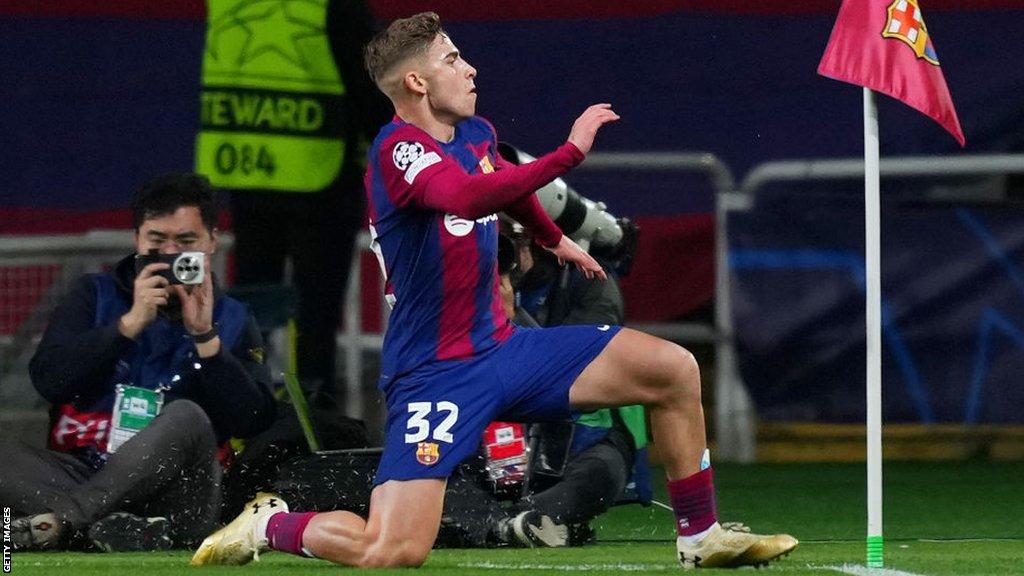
(742, 438)
(60, 259)
(352, 341)
(735, 429)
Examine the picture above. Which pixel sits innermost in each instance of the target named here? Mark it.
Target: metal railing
(735, 428)
(352, 341)
(740, 441)
(905, 166)
(734, 417)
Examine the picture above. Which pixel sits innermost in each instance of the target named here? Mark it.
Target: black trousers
(589, 485)
(591, 482)
(316, 232)
(168, 469)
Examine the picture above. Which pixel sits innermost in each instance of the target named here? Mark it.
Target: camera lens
(188, 269)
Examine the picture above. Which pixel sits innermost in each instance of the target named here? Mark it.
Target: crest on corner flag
(906, 23)
(884, 45)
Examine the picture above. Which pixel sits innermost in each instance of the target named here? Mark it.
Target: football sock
(284, 532)
(693, 502)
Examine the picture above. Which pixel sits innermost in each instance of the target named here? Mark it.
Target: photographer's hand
(569, 251)
(197, 313)
(149, 292)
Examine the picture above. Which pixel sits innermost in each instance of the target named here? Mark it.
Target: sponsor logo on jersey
(428, 453)
(485, 165)
(461, 227)
(457, 226)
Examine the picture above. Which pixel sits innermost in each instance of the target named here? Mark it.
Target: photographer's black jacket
(82, 355)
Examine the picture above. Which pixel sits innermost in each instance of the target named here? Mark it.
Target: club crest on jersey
(427, 453)
(485, 165)
(906, 24)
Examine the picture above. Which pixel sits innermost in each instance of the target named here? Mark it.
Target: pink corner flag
(884, 45)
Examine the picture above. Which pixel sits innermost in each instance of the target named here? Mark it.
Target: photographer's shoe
(245, 537)
(124, 532)
(39, 532)
(733, 547)
(535, 530)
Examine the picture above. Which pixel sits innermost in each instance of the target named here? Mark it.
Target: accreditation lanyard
(134, 409)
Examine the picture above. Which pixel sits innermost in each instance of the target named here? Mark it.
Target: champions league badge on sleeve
(427, 453)
(405, 153)
(409, 157)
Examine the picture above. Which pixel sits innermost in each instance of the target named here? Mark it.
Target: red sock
(693, 501)
(284, 531)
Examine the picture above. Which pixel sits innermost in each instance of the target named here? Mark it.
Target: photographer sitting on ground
(589, 462)
(123, 347)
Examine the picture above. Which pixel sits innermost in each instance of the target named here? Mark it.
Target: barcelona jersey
(440, 269)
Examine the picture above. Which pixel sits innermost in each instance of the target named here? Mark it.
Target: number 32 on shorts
(419, 426)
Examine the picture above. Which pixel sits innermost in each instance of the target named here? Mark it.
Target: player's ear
(415, 82)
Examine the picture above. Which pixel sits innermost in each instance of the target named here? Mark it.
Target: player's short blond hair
(400, 41)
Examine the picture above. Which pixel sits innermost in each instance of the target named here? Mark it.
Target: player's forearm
(472, 197)
(529, 212)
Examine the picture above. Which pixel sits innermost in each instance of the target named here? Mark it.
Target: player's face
(452, 92)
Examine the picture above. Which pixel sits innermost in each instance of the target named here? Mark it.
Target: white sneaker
(732, 547)
(535, 530)
(244, 538)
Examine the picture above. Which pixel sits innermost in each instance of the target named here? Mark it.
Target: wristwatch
(205, 336)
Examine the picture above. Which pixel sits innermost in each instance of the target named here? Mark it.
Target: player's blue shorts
(437, 414)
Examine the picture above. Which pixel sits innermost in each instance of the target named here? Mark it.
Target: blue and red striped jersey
(441, 270)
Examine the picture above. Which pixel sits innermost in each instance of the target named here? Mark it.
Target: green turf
(940, 519)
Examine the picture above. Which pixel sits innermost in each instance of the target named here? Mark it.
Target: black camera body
(188, 268)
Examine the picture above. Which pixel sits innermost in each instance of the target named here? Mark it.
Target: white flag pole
(873, 278)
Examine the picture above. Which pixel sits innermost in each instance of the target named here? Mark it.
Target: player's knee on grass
(406, 554)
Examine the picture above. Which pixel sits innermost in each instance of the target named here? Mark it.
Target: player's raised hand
(585, 128)
(569, 251)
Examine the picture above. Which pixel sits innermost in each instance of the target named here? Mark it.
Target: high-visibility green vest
(271, 97)
(632, 417)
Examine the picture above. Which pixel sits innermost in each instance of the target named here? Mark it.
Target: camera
(586, 222)
(186, 267)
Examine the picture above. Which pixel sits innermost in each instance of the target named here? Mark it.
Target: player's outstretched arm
(450, 189)
(569, 251)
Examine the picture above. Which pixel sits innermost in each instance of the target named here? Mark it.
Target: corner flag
(884, 45)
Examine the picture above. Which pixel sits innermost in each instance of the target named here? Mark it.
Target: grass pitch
(940, 519)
